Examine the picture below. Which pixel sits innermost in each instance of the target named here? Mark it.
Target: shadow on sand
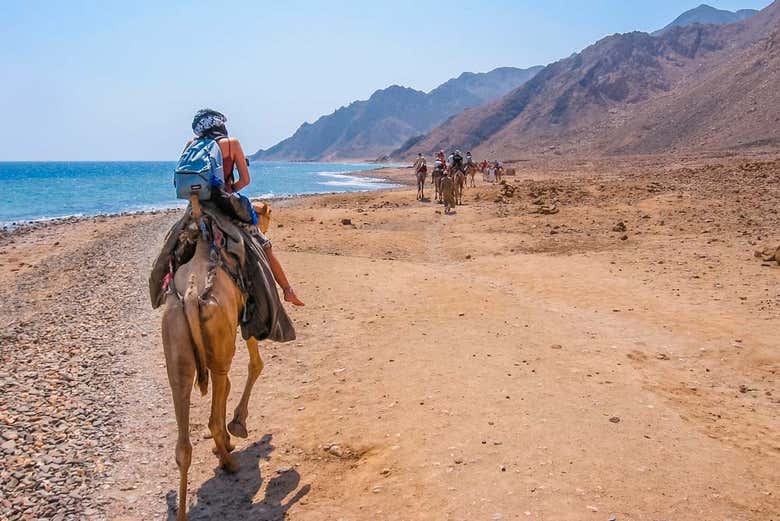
(229, 497)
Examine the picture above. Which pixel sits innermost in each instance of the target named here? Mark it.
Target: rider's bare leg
(281, 278)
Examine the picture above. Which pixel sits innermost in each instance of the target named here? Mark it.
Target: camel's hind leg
(237, 427)
(180, 363)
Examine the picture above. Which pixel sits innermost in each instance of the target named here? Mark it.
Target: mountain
(692, 86)
(369, 128)
(705, 14)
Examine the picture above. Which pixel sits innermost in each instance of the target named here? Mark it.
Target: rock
(619, 227)
(592, 508)
(624, 238)
(615, 419)
(8, 446)
(335, 450)
(346, 222)
(10, 435)
(556, 346)
(612, 517)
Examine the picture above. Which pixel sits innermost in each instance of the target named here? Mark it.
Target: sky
(104, 80)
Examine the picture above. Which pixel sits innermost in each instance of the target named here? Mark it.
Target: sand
(497, 363)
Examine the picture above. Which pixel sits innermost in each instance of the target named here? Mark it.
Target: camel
(436, 181)
(448, 192)
(421, 175)
(460, 185)
(199, 336)
(471, 171)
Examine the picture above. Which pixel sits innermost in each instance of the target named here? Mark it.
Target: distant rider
(420, 165)
(456, 163)
(469, 159)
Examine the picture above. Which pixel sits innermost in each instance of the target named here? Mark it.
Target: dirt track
(493, 364)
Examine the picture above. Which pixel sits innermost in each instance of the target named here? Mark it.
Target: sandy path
(460, 374)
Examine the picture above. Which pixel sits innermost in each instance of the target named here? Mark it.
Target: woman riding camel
(211, 124)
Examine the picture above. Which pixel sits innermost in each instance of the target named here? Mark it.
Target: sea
(34, 191)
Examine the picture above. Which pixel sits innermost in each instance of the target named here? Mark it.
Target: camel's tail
(192, 312)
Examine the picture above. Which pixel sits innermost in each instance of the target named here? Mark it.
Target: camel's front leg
(219, 394)
(237, 427)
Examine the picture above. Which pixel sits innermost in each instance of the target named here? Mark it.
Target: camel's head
(263, 216)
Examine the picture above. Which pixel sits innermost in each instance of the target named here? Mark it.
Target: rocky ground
(594, 340)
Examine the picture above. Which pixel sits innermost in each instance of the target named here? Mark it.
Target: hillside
(369, 128)
(705, 14)
(634, 93)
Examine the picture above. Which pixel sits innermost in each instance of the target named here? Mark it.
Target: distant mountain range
(373, 127)
(705, 14)
(692, 87)
(708, 79)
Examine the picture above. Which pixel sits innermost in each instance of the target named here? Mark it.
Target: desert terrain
(596, 340)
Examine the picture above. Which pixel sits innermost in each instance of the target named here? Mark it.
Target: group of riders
(450, 176)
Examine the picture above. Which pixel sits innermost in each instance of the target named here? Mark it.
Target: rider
(456, 162)
(469, 159)
(440, 157)
(419, 164)
(211, 124)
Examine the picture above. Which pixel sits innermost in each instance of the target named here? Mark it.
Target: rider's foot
(291, 297)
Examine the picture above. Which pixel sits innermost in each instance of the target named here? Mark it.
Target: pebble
(62, 382)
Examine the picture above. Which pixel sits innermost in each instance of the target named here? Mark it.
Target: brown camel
(199, 336)
(421, 175)
(448, 192)
(436, 181)
(471, 171)
(460, 185)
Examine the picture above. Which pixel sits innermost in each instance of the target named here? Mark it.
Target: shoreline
(24, 226)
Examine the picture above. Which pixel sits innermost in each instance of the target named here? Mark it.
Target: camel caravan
(451, 176)
(217, 272)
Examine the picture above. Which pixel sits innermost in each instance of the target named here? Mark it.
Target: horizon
(74, 70)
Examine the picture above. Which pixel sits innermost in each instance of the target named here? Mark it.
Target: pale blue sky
(120, 80)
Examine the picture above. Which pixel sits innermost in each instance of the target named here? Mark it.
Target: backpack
(199, 168)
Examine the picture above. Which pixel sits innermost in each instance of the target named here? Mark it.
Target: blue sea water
(45, 190)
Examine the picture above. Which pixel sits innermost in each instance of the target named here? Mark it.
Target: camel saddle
(239, 249)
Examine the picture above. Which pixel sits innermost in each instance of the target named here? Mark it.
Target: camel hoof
(229, 466)
(237, 429)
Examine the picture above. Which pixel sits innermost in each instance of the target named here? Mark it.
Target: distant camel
(436, 181)
(471, 171)
(421, 175)
(448, 193)
(460, 185)
(199, 335)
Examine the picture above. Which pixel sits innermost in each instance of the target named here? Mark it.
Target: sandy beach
(597, 342)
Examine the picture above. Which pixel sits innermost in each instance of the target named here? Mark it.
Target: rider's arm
(240, 161)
